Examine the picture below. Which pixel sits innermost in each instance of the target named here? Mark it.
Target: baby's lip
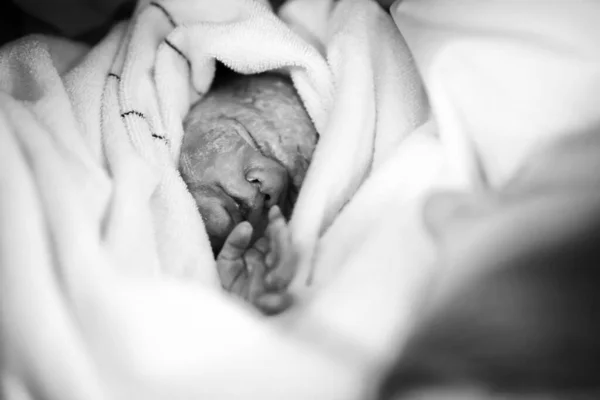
(232, 208)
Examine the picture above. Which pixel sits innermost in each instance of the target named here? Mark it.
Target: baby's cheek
(217, 222)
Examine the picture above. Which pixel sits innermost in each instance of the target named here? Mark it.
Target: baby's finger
(255, 263)
(275, 213)
(278, 236)
(279, 278)
(237, 242)
(274, 303)
(262, 245)
(239, 281)
(230, 262)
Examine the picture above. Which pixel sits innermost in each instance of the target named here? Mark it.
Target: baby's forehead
(267, 113)
(268, 88)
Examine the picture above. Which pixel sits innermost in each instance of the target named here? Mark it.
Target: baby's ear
(445, 211)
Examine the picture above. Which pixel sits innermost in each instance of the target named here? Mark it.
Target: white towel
(81, 316)
(98, 224)
(378, 102)
(165, 65)
(505, 78)
(364, 101)
(357, 225)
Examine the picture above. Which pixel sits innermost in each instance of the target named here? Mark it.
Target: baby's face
(231, 180)
(246, 148)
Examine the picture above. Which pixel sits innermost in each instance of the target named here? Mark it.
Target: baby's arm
(261, 273)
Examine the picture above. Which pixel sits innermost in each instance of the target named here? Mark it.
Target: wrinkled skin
(231, 181)
(259, 273)
(246, 148)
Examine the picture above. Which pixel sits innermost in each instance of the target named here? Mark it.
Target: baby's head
(247, 146)
(514, 312)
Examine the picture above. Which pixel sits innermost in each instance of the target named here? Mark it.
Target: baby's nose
(271, 181)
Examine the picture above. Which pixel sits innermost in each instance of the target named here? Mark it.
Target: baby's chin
(220, 220)
(217, 222)
(219, 226)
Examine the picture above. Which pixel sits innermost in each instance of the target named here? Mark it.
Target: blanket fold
(119, 256)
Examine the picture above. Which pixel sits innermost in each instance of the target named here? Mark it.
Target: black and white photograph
(299, 199)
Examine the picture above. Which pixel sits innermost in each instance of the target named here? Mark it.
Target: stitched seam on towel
(133, 112)
(187, 60)
(165, 12)
(174, 24)
(141, 115)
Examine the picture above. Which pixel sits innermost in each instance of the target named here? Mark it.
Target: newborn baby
(246, 149)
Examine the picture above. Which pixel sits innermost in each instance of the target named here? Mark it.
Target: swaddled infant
(246, 149)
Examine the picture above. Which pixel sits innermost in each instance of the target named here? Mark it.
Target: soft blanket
(108, 283)
(107, 286)
(504, 80)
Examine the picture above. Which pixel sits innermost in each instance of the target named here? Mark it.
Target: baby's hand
(259, 274)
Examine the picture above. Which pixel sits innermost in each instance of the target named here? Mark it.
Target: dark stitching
(134, 112)
(139, 114)
(171, 45)
(167, 14)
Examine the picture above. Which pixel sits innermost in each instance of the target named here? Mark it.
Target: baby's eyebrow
(243, 132)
